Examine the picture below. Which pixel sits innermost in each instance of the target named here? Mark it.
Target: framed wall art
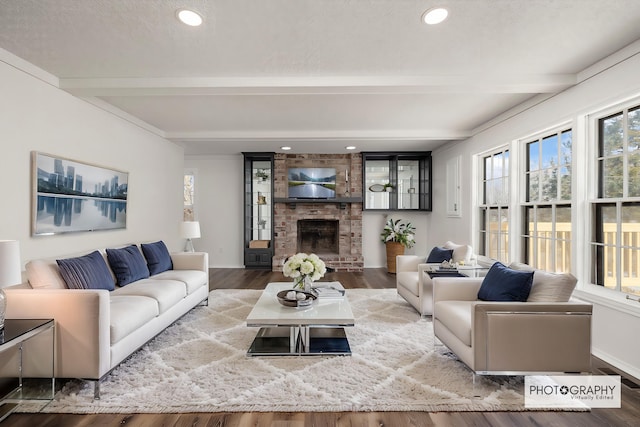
(71, 196)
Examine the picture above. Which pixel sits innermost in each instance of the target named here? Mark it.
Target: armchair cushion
(460, 252)
(439, 254)
(504, 284)
(552, 287)
(547, 286)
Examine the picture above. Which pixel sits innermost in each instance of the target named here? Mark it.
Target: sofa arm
(190, 261)
(82, 326)
(456, 288)
(531, 337)
(408, 263)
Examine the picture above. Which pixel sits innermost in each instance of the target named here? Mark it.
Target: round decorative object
(377, 188)
(285, 298)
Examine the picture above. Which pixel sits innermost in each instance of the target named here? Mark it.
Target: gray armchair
(529, 337)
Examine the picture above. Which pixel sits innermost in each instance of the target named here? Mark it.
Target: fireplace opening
(319, 236)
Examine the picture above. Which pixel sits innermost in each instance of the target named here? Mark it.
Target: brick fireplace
(330, 228)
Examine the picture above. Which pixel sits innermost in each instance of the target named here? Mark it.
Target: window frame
(600, 200)
(502, 249)
(531, 208)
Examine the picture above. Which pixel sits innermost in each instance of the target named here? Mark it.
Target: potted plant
(262, 174)
(396, 236)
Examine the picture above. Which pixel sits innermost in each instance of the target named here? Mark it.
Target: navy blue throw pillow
(127, 264)
(440, 254)
(86, 272)
(504, 284)
(158, 257)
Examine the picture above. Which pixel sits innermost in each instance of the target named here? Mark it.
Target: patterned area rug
(199, 364)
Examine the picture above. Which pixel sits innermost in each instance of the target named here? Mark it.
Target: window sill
(608, 298)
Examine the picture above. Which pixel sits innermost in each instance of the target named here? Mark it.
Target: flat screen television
(312, 183)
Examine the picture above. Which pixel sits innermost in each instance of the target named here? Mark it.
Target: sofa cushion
(158, 257)
(86, 272)
(439, 254)
(194, 279)
(166, 292)
(128, 313)
(409, 281)
(461, 253)
(456, 315)
(504, 284)
(44, 274)
(127, 264)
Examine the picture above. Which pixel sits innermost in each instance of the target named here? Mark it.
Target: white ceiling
(315, 74)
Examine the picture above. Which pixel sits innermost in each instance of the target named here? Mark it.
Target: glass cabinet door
(258, 210)
(377, 181)
(261, 198)
(408, 184)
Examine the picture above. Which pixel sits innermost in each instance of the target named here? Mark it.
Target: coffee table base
(300, 341)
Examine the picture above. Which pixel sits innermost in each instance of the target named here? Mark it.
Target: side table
(15, 340)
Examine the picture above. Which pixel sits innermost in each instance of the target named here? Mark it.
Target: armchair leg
(476, 380)
(96, 390)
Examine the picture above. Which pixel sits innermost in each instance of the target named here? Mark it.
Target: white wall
(36, 116)
(612, 329)
(219, 201)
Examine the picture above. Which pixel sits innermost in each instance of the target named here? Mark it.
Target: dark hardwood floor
(628, 415)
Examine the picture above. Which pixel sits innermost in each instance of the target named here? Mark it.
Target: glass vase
(303, 283)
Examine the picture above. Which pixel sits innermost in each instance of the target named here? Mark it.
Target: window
(547, 210)
(189, 196)
(616, 211)
(494, 208)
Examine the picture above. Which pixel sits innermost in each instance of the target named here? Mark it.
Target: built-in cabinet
(258, 210)
(397, 180)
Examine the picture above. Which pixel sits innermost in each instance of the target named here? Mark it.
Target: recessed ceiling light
(189, 17)
(285, 148)
(350, 147)
(435, 15)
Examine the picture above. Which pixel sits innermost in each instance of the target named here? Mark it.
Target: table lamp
(190, 230)
(10, 271)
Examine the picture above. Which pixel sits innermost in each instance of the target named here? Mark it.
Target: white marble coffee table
(309, 331)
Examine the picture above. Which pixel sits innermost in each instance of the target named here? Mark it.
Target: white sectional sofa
(96, 329)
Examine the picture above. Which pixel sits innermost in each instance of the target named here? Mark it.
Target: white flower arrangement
(301, 266)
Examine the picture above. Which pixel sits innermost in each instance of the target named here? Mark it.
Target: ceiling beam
(489, 83)
(352, 135)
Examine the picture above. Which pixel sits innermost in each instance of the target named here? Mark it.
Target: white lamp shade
(10, 268)
(191, 230)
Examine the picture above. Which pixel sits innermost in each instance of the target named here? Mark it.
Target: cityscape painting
(71, 196)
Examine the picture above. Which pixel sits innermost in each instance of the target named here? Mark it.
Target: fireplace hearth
(319, 236)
